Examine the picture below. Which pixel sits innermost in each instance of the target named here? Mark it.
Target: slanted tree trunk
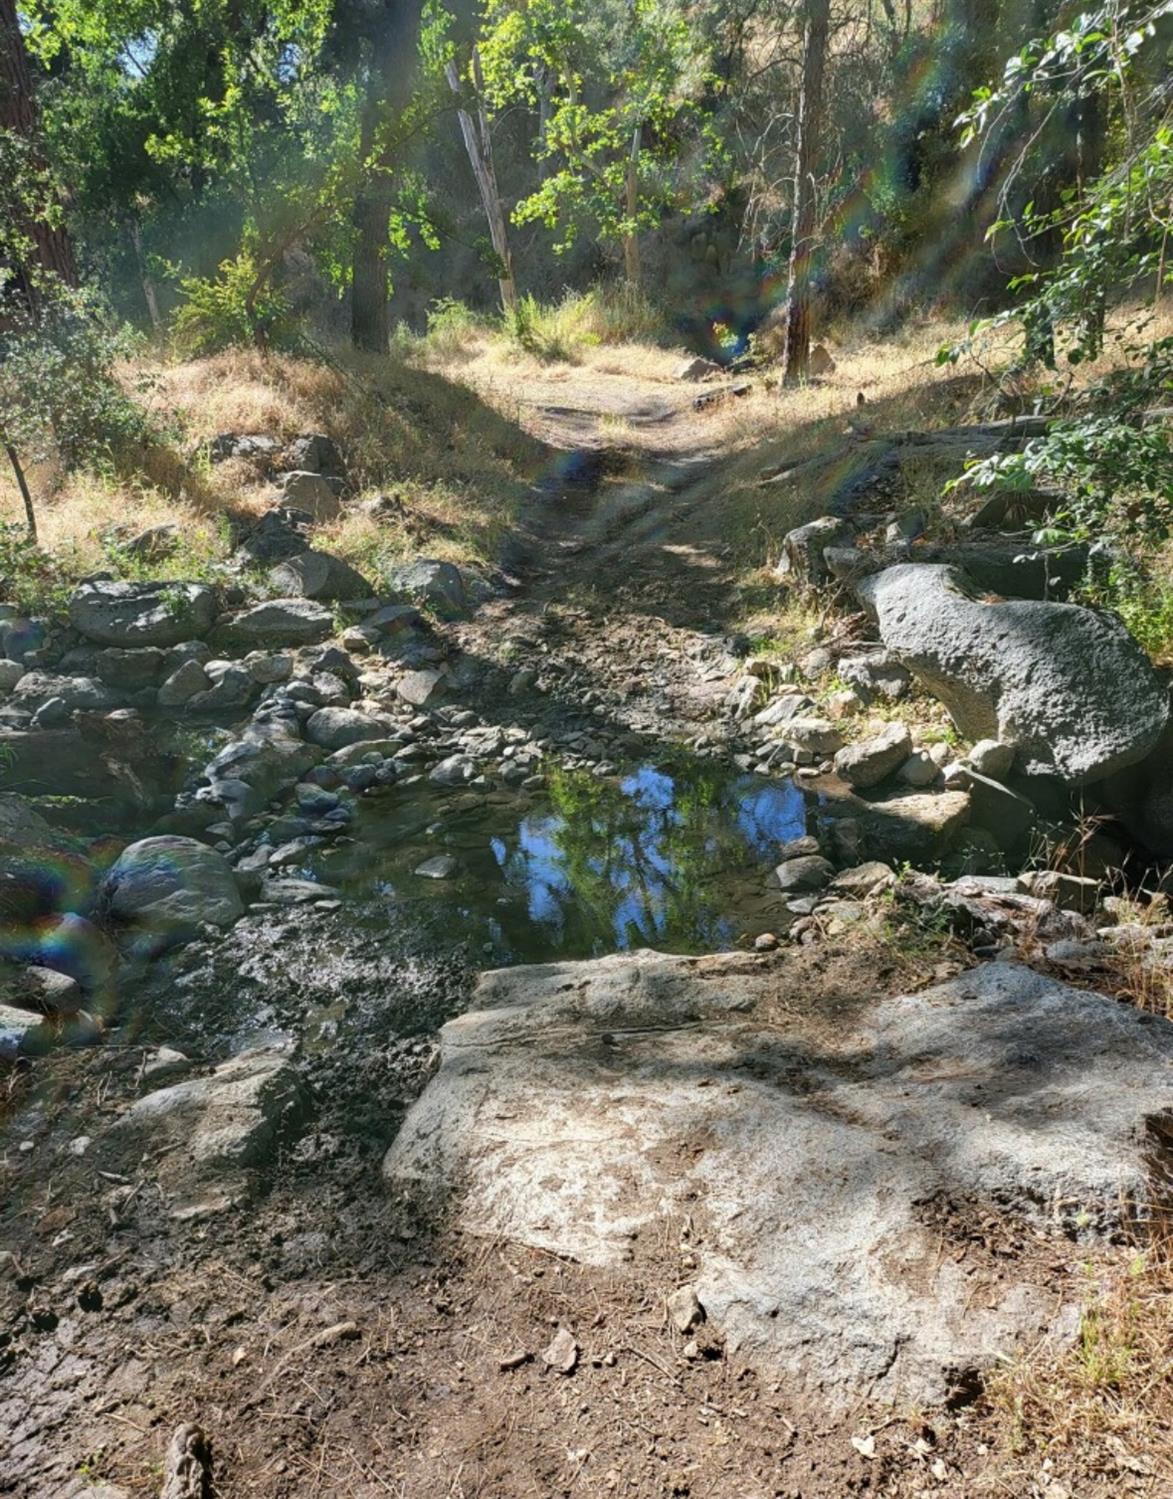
(631, 264)
(478, 142)
(30, 513)
(52, 253)
(796, 355)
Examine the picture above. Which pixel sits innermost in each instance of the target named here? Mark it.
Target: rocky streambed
(255, 851)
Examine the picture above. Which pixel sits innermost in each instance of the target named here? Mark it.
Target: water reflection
(674, 857)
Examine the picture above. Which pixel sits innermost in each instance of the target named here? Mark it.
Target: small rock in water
(439, 867)
(765, 942)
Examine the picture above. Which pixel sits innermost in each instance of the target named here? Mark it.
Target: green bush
(237, 308)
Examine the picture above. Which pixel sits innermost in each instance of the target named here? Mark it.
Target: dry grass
(1106, 1402)
(458, 468)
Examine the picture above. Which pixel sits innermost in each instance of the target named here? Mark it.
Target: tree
(617, 94)
(47, 249)
(478, 142)
(808, 129)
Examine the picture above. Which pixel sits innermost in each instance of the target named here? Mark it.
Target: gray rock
(1067, 687)
(335, 728)
(421, 688)
(266, 668)
(920, 769)
(232, 689)
(279, 622)
(914, 826)
(22, 1033)
(566, 1114)
(456, 770)
(10, 674)
(251, 446)
(439, 867)
(222, 1127)
(140, 614)
(877, 676)
(318, 575)
(989, 758)
(38, 687)
(818, 735)
(172, 884)
(864, 879)
(281, 532)
(316, 453)
(153, 543)
(267, 759)
(295, 892)
(130, 669)
(870, 761)
(439, 586)
(183, 684)
(313, 493)
(808, 872)
(802, 558)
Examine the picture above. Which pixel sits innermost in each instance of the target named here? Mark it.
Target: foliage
(609, 314)
(623, 131)
(30, 578)
(1113, 465)
(234, 307)
(59, 392)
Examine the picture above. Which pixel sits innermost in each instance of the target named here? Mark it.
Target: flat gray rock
(278, 622)
(140, 614)
(1068, 687)
(830, 1169)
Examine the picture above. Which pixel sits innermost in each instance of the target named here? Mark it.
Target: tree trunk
(392, 44)
(478, 143)
(369, 321)
(150, 296)
(796, 357)
(52, 249)
(22, 485)
(631, 263)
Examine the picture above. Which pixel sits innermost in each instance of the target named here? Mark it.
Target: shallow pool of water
(671, 856)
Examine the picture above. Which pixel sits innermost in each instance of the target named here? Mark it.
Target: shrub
(238, 307)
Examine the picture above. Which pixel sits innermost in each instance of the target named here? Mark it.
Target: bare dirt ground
(332, 1342)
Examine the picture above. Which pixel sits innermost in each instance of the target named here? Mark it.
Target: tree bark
(796, 355)
(478, 143)
(22, 485)
(150, 297)
(389, 81)
(52, 247)
(631, 262)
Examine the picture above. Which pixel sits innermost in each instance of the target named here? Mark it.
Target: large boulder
(41, 869)
(277, 622)
(917, 827)
(1068, 687)
(318, 575)
(582, 1106)
(168, 883)
(138, 614)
